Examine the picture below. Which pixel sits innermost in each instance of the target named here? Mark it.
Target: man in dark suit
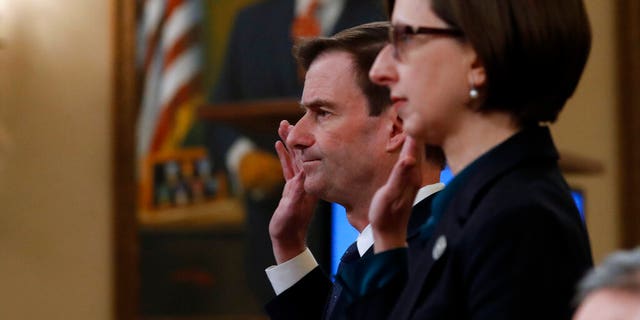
(259, 65)
(341, 150)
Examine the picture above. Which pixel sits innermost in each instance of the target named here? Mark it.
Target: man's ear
(396, 134)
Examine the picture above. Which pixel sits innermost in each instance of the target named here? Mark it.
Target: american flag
(170, 59)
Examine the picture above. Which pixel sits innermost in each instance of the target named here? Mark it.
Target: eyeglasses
(399, 36)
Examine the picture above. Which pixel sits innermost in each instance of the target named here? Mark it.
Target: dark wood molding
(263, 116)
(573, 163)
(254, 117)
(124, 224)
(628, 30)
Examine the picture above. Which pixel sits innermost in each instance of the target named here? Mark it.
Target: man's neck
(358, 217)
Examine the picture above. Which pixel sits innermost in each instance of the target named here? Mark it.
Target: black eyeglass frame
(400, 32)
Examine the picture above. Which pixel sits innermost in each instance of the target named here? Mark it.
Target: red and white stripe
(170, 58)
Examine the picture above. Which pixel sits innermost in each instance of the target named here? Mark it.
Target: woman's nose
(383, 71)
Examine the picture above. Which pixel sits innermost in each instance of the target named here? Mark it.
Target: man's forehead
(333, 57)
(330, 71)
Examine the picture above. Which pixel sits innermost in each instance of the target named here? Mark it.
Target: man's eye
(322, 113)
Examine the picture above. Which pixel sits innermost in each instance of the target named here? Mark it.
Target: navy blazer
(510, 245)
(259, 64)
(307, 298)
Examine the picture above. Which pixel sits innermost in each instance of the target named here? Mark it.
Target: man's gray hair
(619, 271)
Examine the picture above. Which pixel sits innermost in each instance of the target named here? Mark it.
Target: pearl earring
(473, 93)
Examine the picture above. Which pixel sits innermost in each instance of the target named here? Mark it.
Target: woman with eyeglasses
(483, 79)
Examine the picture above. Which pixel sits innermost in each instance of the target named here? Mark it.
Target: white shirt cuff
(288, 273)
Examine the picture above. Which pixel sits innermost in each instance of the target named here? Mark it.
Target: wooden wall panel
(124, 110)
(629, 86)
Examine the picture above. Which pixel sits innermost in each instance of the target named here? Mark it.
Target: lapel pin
(439, 247)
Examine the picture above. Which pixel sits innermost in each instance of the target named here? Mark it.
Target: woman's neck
(477, 134)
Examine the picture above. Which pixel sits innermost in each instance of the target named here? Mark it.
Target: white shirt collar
(300, 6)
(328, 12)
(426, 191)
(365, 238)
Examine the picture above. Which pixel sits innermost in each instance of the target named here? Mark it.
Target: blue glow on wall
(578, 198)
(342, 235)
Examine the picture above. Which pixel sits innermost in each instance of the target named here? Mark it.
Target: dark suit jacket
(259, 65)
(511, 244)
(308, 297)
(259, 62)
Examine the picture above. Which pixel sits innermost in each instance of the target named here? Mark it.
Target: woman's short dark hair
(533, 51)
(363, 43)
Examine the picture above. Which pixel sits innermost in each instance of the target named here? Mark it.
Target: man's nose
(300, 136)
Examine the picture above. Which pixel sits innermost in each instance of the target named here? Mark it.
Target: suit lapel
(534, 144)
(424, 256)
(420, 213)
